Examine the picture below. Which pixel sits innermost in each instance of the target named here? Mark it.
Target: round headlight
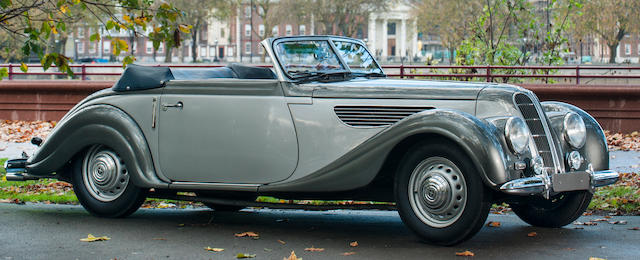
(574, 130)
(517, 134)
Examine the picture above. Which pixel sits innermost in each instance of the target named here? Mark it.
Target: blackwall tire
(103, 185)
(559, 211)
(440, 195)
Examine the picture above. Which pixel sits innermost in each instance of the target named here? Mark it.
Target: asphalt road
(39, 231)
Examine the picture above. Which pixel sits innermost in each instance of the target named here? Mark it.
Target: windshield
(312, 58)
(357, 57)
(303, 57)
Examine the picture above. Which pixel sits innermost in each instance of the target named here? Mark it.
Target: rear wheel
(440, 195)
(102, 184)
(558, 211)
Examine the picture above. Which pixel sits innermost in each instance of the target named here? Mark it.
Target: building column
(312, 26)
(403, 38)
(385, 39)
(371, 35)
(414, 38)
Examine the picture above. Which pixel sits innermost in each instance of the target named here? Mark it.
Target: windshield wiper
(371, 74)
(322, 76)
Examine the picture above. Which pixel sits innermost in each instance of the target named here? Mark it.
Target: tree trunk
(194, 41)
(167, 53)
(451, 58)
(613, 53)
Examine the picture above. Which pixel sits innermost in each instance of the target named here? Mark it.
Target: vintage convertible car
(326, 123)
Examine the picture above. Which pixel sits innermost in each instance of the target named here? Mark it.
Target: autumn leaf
(91, 238)
(247, 234)
(348, 253)
(214, 249)
(24, 67)
(465, 253)
(532, 234)
(493, 224)
(185, 28)
(313, 249)
(353, 244)
(281, 242)
(243, 255)
(64, 9)
(292, 256)
(596, 258)
(634, 228)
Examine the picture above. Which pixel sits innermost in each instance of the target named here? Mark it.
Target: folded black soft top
(136, 77)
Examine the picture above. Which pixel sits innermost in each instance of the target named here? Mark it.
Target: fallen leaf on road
(91, 238)
(587, 214)
(348, 253)
(267, 249)
(292, 256)
(247, 234)
(608, 217)
(599, 219)
(313, 249)
(588, 223)
(493, 224)
(180, 225)
(596, 258)
(570, 249)
(353, 244)
(634, 228)
(242, 255)
(465, 253)
(532, 234)
(214, 249)
(618, 222)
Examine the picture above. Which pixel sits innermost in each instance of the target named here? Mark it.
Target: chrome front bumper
(16, 170)
(539, 185)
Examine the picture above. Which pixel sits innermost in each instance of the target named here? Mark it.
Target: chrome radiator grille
(374, 115)
(535, 123)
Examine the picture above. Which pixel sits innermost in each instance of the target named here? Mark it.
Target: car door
(226, 131)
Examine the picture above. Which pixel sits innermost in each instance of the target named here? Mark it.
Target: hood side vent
(371, 116)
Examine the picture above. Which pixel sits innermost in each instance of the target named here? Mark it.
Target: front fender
(595, 150)
(360, 166)
(91, 125)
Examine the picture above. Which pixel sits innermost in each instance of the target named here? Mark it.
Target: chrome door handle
(176, 105)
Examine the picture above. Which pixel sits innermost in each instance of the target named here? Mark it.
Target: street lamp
(215, 52)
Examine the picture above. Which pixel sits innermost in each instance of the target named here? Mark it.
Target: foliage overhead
(36, 24)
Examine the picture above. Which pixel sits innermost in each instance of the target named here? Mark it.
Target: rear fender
(97, 124)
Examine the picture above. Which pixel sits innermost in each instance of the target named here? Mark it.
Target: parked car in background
(326, 123)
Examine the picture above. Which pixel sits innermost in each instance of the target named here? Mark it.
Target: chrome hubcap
(437, 192)
(104, 174)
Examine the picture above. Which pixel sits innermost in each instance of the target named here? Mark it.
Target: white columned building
(392, 34)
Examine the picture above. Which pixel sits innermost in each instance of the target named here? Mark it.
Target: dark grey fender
(360, 166)
(595, 149)
(98, 124)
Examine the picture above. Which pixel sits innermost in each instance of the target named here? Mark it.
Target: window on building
(92, 47)
(302, 29)
(391, 28)
(212, 51)
(149, 47)
(230, 51)
(221, 32)
(106, 47)
(247, 47)
(288, 30)
(80, 47)
(135, 47)
(274, 31)
(90, 31)
(247, 30)
(203, 51)
(247, 11)
(627, 49)
(261, 30)
(80, 33)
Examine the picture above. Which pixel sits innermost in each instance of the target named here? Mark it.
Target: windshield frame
(334, 49)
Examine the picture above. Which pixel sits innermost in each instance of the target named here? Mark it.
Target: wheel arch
(97, 124)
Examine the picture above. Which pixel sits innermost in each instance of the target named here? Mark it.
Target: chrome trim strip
(214, 186)
(537, 185)
(559, 166)
(604, 178)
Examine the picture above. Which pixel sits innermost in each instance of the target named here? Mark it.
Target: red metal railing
(487, 73)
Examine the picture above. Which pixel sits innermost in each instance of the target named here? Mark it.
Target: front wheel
(102, 184)
(557, 211)
(440, 195)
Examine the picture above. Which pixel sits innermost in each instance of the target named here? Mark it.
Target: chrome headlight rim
(517, 128)
(575, 130)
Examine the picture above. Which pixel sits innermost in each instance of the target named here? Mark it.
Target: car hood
(397, 89)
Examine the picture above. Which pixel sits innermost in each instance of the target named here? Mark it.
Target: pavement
(39, 231)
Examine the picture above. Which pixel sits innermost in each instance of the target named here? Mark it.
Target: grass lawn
(622, 197)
